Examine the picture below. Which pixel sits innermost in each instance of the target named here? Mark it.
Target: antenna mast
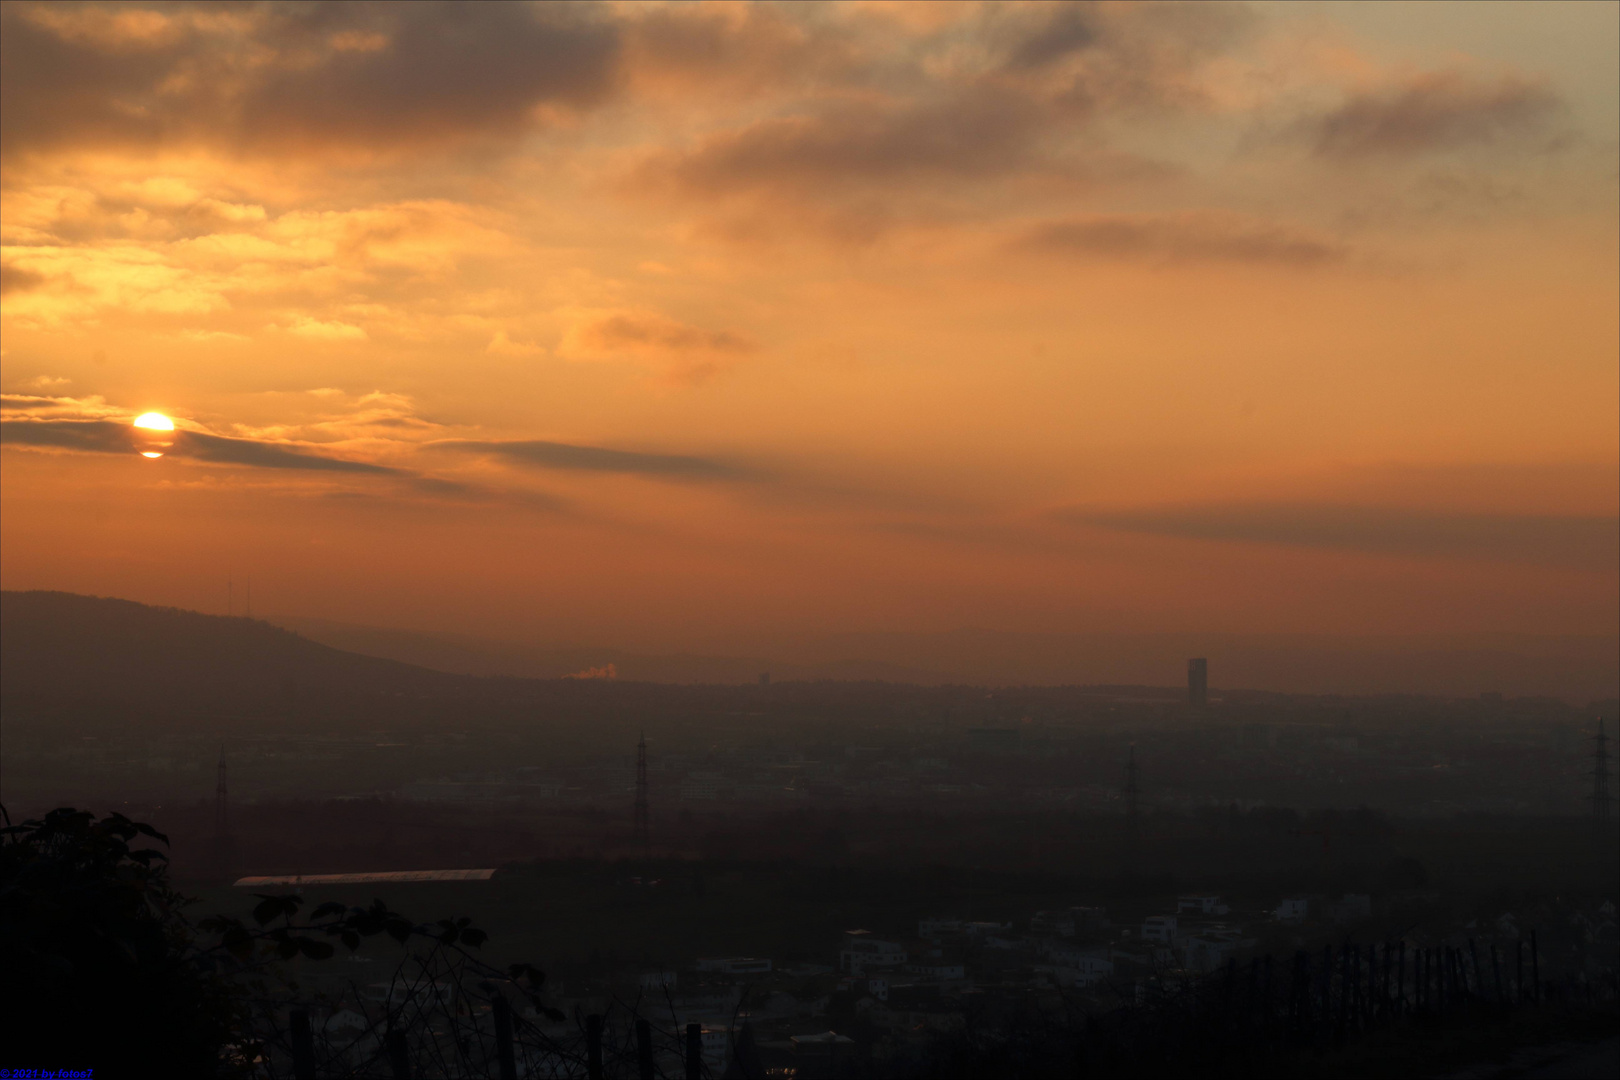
(643, 828)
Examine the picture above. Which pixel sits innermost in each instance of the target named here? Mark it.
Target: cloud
(1193, 236)
(502, 345)
(1586, 542)
(1434, 111)
(117, 437)
(87, 436)
(221, 450)
(981, 134)
(16, 279)
(555, 455)
(321, 330)
(48, 406)
(681, 353)
(344, 77)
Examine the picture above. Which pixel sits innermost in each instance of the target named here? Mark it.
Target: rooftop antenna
(643, 827)
(1602, 800)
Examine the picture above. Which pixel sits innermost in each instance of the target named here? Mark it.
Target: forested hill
(64, 651)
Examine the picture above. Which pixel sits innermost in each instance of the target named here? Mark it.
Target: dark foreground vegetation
(108, 967)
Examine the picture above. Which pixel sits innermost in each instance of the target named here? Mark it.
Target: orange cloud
(680, 353)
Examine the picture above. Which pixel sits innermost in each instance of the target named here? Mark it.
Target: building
(1207, 952)
(1073, 966)
(1159, 928)
(877, 989)
(1353, 907)
(1293, 909)
(1201, 905)
(861, 953)
(735, 965)
(937, 927)
(1198, 682)
(935, 969)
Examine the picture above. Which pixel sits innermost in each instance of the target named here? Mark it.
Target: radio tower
(642, 822)
(1602, 801)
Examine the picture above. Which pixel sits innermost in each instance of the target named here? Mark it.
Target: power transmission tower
(223, 846)
(1131, 791)
(1132, 826)
(643, 826)
(222, 810)
(1602, 801)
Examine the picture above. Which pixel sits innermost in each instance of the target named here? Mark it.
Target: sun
(155, 434)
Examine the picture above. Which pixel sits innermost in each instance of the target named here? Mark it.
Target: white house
(861, 953)
(1293, 909)
(1201, 905)
(941, 970)
(1074, 966)
(1159, 928)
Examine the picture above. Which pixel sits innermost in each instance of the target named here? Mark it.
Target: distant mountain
(62, 649)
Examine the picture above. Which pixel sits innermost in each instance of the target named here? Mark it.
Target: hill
(63, 651)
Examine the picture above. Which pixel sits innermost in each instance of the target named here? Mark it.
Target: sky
(696, 326)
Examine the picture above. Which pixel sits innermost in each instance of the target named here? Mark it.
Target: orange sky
(683, 326)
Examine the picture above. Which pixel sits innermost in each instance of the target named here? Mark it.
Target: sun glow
(155, 433)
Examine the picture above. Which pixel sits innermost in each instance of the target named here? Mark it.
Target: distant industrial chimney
(764, 678)
(1198, 682)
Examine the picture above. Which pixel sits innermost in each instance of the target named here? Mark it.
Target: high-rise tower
(1602, 800)
(1197, 682)
(643, 824)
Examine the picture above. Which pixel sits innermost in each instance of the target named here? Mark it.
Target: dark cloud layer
(1434, 112)
(1188, 237)
(266, 455)
(555, 455)
(360, 75)
(90, 436)
(1584, 542)
(113, 437)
